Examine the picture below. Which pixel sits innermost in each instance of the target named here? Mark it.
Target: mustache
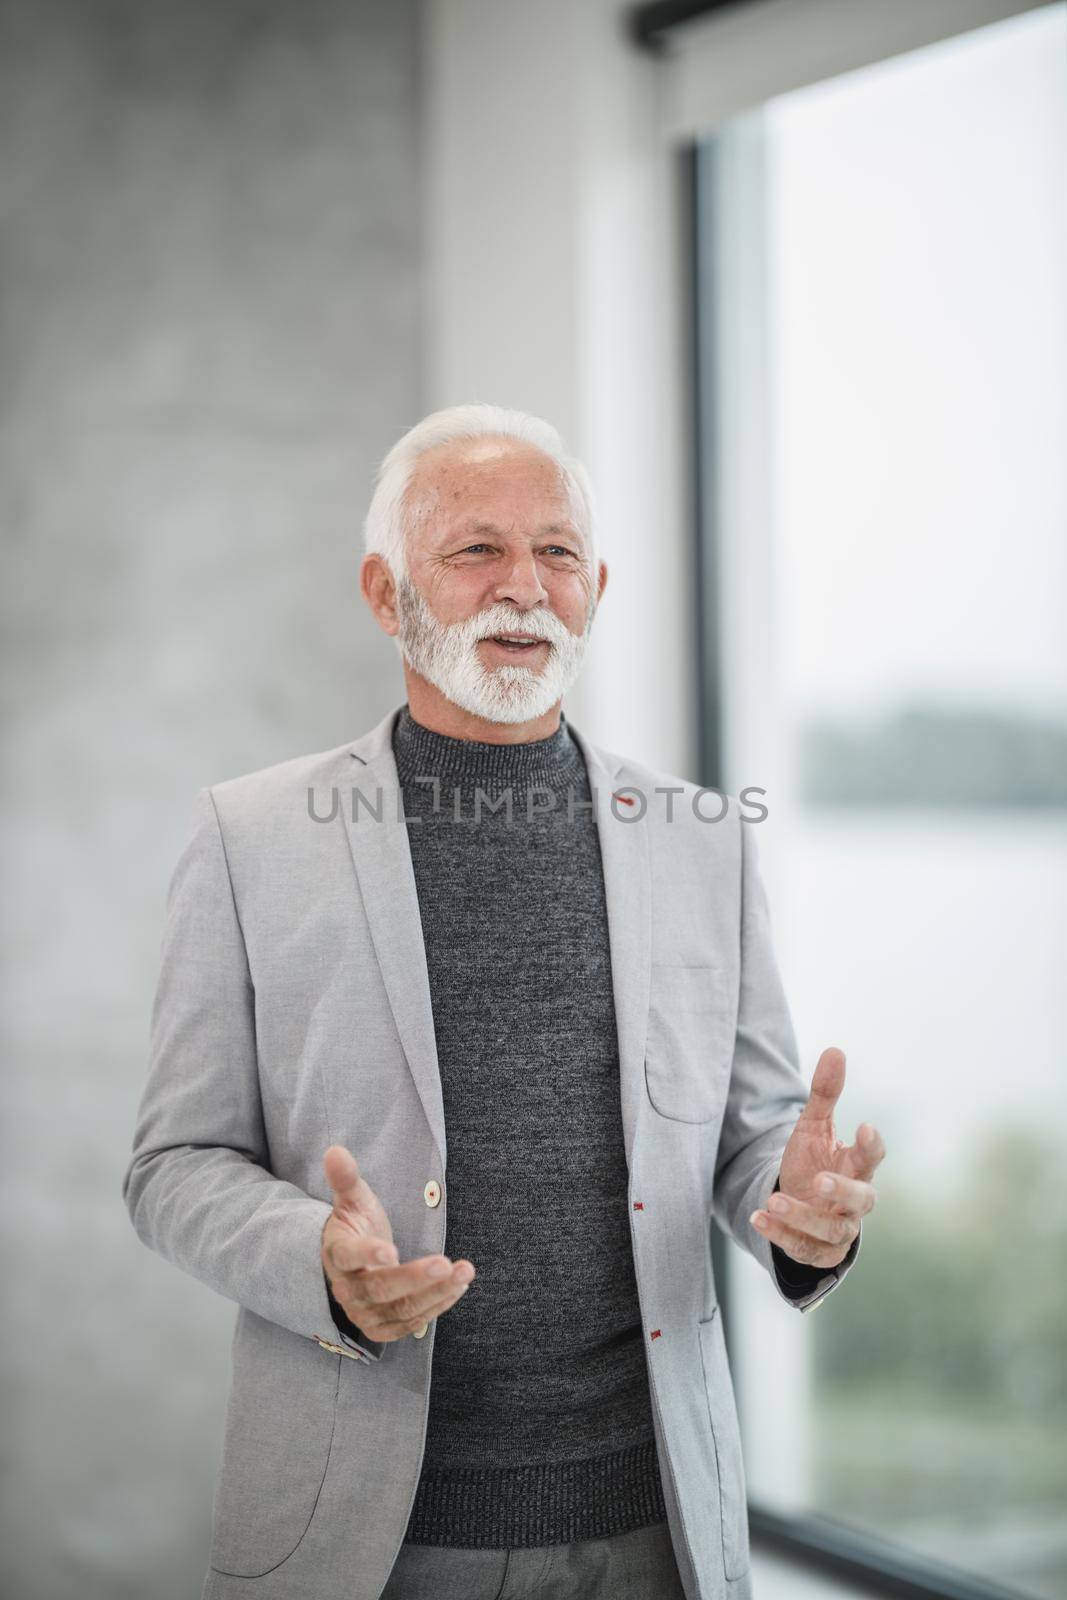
(487, 626)
(495, 619)
(504, 619)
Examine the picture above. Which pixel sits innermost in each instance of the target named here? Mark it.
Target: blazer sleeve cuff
(354, 1338)
(803, 1286)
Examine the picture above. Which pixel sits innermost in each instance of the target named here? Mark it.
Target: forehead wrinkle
(481, 526)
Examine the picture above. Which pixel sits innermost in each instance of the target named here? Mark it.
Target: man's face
(493, 550)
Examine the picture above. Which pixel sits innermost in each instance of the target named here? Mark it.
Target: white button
(432, 1193)
(420, 1333)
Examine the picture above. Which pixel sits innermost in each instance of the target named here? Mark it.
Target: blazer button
(432, 1193)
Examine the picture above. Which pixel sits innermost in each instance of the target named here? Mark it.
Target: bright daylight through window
(887, 281)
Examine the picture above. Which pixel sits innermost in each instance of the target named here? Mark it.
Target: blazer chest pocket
(726, 1436)
(692, 1020)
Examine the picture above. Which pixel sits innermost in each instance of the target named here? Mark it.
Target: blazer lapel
(381, 856)
(624, 853)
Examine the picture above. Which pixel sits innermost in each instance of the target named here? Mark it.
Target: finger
(800, 1246)
(838, 1193)
(382, 1286)
(410, 1311)
(347, 1251)
(831, 1227)
(827, 1082)
(862, 1158)
(420, 1320)
(413, 1310)
(342, 1174)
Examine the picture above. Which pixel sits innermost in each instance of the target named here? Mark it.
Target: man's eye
(562, 548)
(470, 547)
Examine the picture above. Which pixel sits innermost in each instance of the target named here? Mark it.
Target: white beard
(446, 655)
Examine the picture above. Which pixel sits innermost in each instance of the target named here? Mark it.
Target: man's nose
(521, 584)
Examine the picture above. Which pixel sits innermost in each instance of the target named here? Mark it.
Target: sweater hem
(489, 1508)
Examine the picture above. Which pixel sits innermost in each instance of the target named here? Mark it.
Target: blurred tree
(970, 1300)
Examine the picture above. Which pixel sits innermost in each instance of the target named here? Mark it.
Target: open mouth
(516, 644)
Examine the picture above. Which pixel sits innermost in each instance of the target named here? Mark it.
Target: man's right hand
(385, 1300)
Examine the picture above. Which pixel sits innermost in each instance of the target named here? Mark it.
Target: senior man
(463, 1033)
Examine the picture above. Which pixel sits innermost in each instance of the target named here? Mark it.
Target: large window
(883, 283)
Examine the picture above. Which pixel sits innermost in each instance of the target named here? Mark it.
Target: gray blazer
(293, 1012)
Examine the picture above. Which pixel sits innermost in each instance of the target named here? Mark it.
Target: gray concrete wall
(209, 333)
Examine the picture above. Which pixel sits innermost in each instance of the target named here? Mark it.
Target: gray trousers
(631, 1566)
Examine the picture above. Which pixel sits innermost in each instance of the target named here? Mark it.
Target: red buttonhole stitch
(639, 1205)
(655, 1333)
(627, 799)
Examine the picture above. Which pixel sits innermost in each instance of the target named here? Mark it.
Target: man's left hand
(824, 1185)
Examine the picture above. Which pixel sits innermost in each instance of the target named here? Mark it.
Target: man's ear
(601, 580)
(379, 591)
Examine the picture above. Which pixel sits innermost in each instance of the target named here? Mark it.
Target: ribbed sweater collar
(422, 752)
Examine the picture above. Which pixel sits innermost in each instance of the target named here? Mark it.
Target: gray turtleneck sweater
(540, 1424)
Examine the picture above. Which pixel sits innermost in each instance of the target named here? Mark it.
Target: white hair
(386, 523)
